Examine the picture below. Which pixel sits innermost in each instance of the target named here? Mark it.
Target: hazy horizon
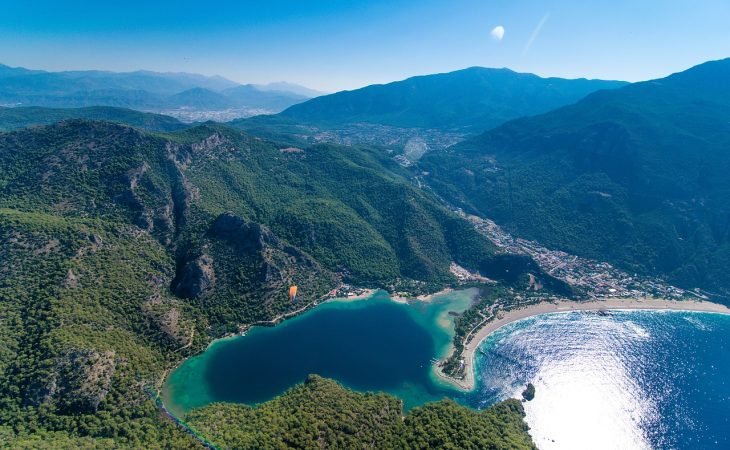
(345, 45)
(325, 92)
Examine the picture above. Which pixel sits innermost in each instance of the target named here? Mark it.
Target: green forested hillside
(86, 321)
(23, 117)
(636, 176)
(322, 414)
(346, 212)
(472, 99)
(125, 251)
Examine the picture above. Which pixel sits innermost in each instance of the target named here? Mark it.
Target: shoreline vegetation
(502, 315)
(352, 294)
(480, 333)
(333, 296)
(336, 295)
(344, 418)
(502, 318)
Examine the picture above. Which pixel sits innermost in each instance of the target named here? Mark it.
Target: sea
(614, 380)
(621, 380)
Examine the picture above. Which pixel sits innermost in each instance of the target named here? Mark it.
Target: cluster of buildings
(347, 291)
(592, 278)
(190, 115)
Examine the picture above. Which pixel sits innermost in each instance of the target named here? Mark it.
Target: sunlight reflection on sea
(626, 380)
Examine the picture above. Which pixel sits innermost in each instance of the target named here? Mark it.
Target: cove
(374, 344)
(618, 379)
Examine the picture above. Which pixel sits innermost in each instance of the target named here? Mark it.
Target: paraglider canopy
(292, 293)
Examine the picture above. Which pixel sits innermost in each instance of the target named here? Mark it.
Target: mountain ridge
(142, 89)
(634, 175)
(127, 251)
(475, 97)
(23, 117)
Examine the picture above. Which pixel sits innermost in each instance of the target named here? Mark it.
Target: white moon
(497, 32)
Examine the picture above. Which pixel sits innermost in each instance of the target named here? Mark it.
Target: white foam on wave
(637, 330)
(697, 322)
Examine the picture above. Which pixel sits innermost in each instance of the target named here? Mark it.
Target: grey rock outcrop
(196, 279)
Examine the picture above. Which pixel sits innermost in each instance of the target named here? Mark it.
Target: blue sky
(333, 45)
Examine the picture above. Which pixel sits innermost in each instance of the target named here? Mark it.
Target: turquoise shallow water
(631, 379)
(368, 345)
(625, 380)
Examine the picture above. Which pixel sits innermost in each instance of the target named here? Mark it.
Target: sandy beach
(507, 317)
(366, 293)
(421, 298)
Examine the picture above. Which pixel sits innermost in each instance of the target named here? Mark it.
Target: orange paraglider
(293, 294)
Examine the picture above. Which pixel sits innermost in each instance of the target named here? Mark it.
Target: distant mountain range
(637, 176)
(283, 86)
(470, 100)
(143, 90)
(24, 81)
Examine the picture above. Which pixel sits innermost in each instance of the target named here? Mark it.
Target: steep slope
(23, 117)
(472, 99)
(87, 321)
(125, 251)
(636, 175)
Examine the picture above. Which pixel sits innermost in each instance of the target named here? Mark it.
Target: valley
(430, 259)
(615, 177)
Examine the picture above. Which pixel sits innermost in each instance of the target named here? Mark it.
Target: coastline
(398, 297)
(356, 296)
(362, 294)
(421, 298)
(366, 293)
(505, 318)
